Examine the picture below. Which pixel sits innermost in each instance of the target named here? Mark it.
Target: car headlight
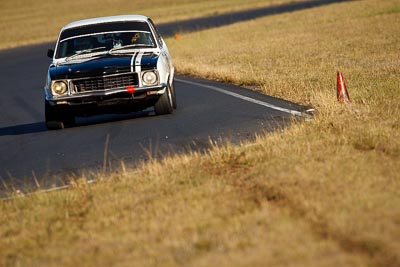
(149, 78)
(59, 87)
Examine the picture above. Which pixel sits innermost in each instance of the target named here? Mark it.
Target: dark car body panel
(89, 77)
(100, 65)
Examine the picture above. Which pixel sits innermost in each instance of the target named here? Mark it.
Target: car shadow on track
(110, 118)
(37, 127)
(21, 129)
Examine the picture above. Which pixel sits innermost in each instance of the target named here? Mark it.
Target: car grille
(116, 81)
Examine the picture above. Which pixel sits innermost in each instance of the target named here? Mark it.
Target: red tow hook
(130, 89)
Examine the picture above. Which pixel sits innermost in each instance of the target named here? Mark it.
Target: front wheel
(57, 118)
(173, 95)
(165, 103)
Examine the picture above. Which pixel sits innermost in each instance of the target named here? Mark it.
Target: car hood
(102, 65)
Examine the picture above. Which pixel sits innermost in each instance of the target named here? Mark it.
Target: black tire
(164, 104)
(174, 104)
(57, 118)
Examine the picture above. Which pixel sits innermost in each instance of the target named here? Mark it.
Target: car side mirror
(50, 53)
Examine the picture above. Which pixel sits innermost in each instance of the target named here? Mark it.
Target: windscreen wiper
(86, 51)
(129, 46)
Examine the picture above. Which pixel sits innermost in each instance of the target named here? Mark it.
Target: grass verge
(321, 193)
(25, 22)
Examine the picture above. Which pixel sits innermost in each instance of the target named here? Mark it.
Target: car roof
(91, 21)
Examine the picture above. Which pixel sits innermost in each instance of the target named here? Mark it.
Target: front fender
(163, 70)
(46, 88)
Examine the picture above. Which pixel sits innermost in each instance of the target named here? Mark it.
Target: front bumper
(100, 95)
(111, 101)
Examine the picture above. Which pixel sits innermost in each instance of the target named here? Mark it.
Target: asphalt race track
(28, 149)
(206, 111)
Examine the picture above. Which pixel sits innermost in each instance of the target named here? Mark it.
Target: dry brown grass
(296, 55)
(320, 193)
(27, 21)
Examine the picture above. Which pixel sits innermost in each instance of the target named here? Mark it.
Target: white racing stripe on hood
(138, 62)
(132, 61)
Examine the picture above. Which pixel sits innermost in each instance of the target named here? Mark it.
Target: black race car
(112, 64)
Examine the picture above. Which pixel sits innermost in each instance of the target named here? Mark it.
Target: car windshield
(104, 42)
(104, 37)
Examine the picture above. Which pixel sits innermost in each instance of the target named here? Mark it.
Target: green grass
(319, 193)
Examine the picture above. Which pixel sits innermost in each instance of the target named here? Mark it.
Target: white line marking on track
(245, 98)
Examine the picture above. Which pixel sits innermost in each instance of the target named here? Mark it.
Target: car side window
(157, 33)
